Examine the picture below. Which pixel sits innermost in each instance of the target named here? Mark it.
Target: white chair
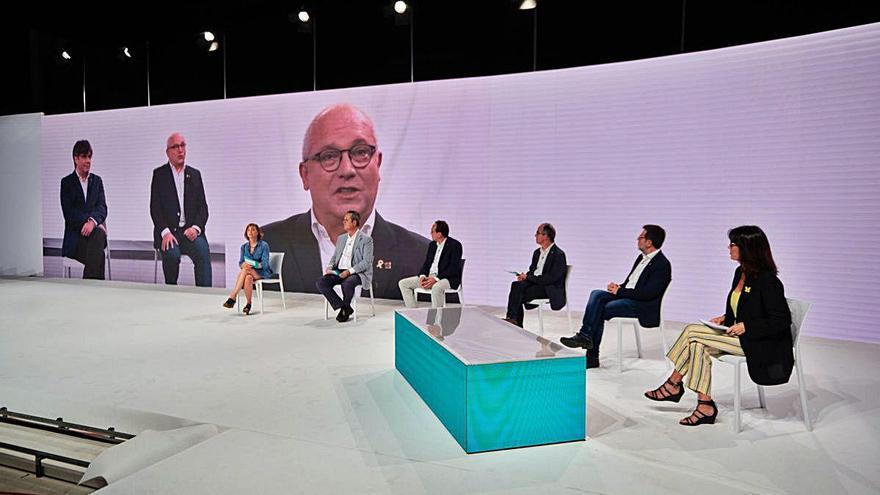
(636, 327)
(799, 311)
(546, 301)
(68, 264)
(276, 261)
(354, 300)
(458, 291)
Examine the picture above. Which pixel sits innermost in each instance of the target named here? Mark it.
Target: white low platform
(307, 405)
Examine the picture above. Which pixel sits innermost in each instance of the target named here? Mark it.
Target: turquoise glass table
(492, 385)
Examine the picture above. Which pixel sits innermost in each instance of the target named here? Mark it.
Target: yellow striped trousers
(691, 354)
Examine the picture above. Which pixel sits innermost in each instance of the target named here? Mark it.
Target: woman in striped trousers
(757, 325)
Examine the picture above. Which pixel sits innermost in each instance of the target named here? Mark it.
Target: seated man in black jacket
(441, 270)
(544, 280)
(638, 297)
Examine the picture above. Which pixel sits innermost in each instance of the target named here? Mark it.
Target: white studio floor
(312, 406)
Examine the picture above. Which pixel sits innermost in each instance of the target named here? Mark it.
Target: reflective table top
(477, 337)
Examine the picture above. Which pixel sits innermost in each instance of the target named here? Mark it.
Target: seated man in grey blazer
(354, 255)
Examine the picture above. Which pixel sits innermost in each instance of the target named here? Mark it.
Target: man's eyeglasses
(359, 156)
(175, 147)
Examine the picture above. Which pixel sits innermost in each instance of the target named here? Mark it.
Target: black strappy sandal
(701, 417)
(663, 393)
(246, 309)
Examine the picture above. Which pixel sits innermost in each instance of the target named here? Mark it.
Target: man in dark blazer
(340, 169)
(544, 280)
(85, 209)
(639, 296)
(439, 273)
(180, 212)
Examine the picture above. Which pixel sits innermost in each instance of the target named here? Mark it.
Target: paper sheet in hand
(714, 326)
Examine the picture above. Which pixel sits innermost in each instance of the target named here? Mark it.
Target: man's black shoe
(577, 340)
(592, 362)
(343, 315)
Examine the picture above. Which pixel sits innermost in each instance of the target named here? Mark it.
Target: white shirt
(84, 184)
(326, 245)
(542, 259)
(637, 271)
(435, 266)
(178, 183)
(345, 259)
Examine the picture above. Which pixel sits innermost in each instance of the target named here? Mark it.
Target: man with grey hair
(179, 212)
(340, 167)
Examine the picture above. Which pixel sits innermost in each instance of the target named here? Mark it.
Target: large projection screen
(783, 134)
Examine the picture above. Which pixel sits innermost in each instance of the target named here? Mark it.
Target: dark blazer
(552, 277)
(449, 266)
(395, 247)
(164, 207)
(78, 209)
(648, 292)
(767, 343)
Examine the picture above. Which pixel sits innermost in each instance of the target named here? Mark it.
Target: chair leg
(460, 296)
(326, 309)
(638, 340)
(354, 306)
(665, 346)
(155, 266)
(373, 302)
(570, 328)
(619, 346)
(737, 414)
(802, 389)
(238, 301)
(281, 289)
(540, 320)
(761, 400)
(260, 295)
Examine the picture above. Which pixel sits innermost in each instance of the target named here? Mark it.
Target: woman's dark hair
(442, 227)
(259, 231)
(754, 249)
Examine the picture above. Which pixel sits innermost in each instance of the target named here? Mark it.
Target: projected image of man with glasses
(340, 167)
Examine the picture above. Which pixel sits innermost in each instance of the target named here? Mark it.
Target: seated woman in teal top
(254, 263)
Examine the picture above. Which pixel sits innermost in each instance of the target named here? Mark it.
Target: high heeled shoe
(667, 394)
(701, 417)
(230, 302)
(246, 309)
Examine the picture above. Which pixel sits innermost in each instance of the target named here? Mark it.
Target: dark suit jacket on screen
(767, 343)
(648, 292)
(399, 251)
(165, 208)
(449, 266)
(77, 209)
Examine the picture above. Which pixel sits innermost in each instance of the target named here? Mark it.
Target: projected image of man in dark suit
(340, 166)
(85, 209)
(180, 212)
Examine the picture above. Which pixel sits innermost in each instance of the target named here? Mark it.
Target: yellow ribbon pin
(747, 289)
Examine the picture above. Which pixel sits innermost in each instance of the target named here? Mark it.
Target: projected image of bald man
(340, 168)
